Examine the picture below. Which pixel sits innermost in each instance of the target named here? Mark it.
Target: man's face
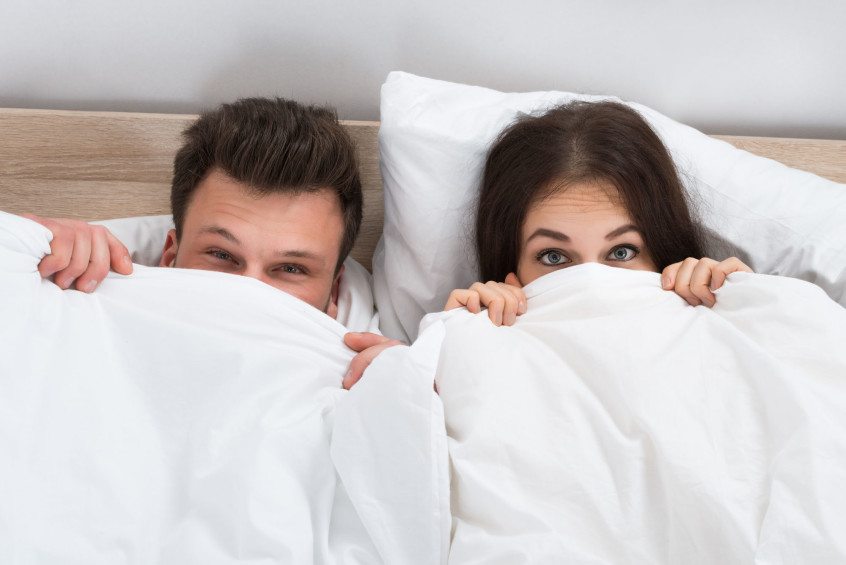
(287, 241)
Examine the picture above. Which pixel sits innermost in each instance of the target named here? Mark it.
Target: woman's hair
(537, 156)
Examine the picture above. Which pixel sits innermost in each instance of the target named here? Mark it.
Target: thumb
(359, 341)
(513, 280)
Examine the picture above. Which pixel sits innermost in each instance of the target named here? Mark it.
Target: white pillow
(144, 237)
(433, 140)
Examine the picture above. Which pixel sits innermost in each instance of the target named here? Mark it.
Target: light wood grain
(823, 157)
(98, 165)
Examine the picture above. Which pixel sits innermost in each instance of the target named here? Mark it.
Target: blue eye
(552, 258)
(623, 253)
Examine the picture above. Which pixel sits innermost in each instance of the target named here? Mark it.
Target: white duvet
(192, 417)
(616, 424)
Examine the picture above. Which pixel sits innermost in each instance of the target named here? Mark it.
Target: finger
(517, 291)
(700, 281)
(511, 305)
(463, 298)
(681, 284)
(512, 279)
(363, 360)
(668, 276)
(493, 299)
(725, 268)
(120, 260)
(490, 297)
(78, 261)
(474, 302)
(61, 250)
(359, 341)
(98, 264)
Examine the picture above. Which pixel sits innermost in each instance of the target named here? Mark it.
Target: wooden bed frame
(99, 165)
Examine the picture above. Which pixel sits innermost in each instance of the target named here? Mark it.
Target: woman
(583, 182)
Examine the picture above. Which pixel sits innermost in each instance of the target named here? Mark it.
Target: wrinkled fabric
(179, 416)
(614, 423)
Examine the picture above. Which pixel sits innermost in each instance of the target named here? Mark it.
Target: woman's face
(584, 223)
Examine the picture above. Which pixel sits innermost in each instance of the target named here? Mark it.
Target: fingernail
(90, 286)
(346, 378)
(63, 284)
(665, 281)
(127, 260)
(522, 307)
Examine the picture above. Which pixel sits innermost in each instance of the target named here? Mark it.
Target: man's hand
(368, 346)
(81, 254)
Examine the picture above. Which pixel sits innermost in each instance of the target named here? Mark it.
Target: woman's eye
(623, 253)
(552, 258)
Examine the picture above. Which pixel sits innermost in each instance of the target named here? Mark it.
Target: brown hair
(271, 145)
(577, 142)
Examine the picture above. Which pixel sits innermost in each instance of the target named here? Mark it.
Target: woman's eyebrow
(621, 230)
(548, 233)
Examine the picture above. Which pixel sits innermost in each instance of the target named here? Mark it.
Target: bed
(95, 165)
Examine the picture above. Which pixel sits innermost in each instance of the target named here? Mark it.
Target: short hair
(540, 155)
(272, 145)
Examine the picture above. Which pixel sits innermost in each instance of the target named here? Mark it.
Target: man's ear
(332, 308)
(169, 251)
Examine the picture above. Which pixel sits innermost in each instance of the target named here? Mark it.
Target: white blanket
(190, 417)
(616, 424)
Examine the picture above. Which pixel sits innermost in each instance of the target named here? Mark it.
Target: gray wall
(759, 68)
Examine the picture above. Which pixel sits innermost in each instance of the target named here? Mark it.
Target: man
(265, 188)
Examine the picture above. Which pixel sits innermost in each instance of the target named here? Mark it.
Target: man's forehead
(284, 224)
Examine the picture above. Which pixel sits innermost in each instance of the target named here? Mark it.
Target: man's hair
(271, 145)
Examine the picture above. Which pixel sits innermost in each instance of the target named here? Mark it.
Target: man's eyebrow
(223, 232)
(297, 253)
(621, 230)
(548, 233)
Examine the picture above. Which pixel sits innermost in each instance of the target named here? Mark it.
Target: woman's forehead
(584, 201)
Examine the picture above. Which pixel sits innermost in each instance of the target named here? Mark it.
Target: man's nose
(256, 273)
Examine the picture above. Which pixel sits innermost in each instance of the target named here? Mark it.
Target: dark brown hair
(271, 145)
(581, 142)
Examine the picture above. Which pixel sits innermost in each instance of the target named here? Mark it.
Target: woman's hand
(81, 253)
(696, 279)
(504, 301)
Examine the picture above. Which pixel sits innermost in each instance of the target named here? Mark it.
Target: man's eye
(292, 269)
(552, 258)
(623, 253)
(220, 254)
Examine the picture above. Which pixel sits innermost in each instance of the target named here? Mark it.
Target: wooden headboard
(99, 165)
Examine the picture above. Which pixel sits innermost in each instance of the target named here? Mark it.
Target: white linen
(616, 424)
(433, 140)
(184, 416)
(144, 237)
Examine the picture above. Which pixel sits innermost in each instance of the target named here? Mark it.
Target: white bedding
(615, 424)
(182, 416)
